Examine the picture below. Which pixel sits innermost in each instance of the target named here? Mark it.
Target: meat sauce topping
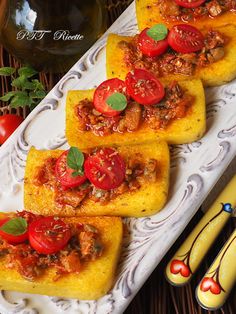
(170, 10)
(173, 62)
(137, 172)
(84, 245)
(174, 106)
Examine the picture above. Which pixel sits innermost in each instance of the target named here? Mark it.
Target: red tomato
(105, 90)
(48, 235)
(64, 173)
(10, 238)
(185, 38)
(8, 124)
(190, 3)
(144, 87)
(105, 169)
(151, 47)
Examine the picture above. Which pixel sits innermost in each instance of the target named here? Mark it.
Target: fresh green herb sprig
(15, 226)
(75, 161)
(117, 101)
(27, 91)
(158, 32)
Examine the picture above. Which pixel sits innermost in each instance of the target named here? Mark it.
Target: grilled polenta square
(147, 199)
(217, 73)
(96, 277)
(184, 130)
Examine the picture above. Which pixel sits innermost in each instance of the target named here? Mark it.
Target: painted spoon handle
(189, 256)
(218, 281)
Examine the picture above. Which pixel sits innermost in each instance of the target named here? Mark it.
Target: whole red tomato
(8, 124)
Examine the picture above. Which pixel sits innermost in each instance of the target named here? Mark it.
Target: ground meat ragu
(213, 50)
(174, 106)
(46, 176)
(170, 10)
(131, 118)
(84, 245)
(138, 173)
(90, 119)
(137, 170)
(172, 62)
(100, 125)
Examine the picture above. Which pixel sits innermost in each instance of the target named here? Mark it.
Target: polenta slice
(184, 130)
(148, 199)
(96, 277)
(148, 14)
(217, 73)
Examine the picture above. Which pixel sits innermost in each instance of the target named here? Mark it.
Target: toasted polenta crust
(147, 200)
(115, 64)
(96, 277)
(217, 73)
(148, 14)
(185, 130)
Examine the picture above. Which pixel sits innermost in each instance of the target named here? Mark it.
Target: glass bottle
(50, 35)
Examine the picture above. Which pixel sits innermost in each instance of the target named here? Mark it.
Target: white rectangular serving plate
(195, 168)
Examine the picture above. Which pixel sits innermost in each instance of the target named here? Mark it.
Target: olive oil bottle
(50, 35)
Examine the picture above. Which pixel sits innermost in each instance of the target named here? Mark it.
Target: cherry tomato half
(190, 3)
(10, 238)
(185, 38)
(48, 235)
(8, 124)
(144, 87)
(105, 90)
(105, 169)
(151, 47)
(64, 173)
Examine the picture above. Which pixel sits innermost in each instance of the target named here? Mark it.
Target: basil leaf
(38, 85)
(19, 82)
(19, 100)
(28, 85)
(75, 160)
(39, 94)
(117, 101)
(15, 226)
(77, 173)
(7, 71)
(32, 104)
(158, 32)
(8, 96)
(27, 91)
(27, 72)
